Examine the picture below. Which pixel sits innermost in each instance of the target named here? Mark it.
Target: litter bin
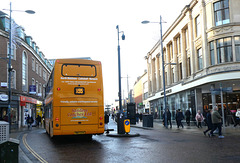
(147, 120)
(9, 151)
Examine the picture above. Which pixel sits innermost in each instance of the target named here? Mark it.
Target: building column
(191, 43)
(149, 73)
(205, 51)
(153, 76)
(168, 67)
(213, 96)
(184, 55)
(175, 54)
(158, 72)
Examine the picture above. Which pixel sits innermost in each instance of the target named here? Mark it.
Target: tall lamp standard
(119, 69)
(163, 67)
(9, 60)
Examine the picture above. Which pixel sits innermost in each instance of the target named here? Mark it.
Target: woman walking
(199, 119)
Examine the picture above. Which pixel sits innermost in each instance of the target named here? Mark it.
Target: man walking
(217, 123)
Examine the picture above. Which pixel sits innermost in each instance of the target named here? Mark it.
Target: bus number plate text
(79, 90)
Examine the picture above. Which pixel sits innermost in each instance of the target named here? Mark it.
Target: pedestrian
(217, 122)
(137, 117)
(106, 121)
(179, 118)
(38, 119)
(188, 114)
(30, 122)
(208, 121)
(199, 118)
(140, 117)
(237, 118)
(169, 115)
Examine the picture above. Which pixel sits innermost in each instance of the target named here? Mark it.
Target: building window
(13, 79)
(33, 81)
(224, 50)
(40, 90)
(24, 72)
(13, 54)
(178, 42)
(211, 47)
(189, 66)
(44, 75)
(180, 69)
(172, 75)
(198, 26)
(36, 87)
(37, 67)
(221, 12)
(40, 71)
(199, 55)
(33, 64)
(237, 47)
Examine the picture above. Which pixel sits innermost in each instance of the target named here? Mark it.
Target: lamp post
(10, 58)
(119, 70)
(120, 115)
(163, 67)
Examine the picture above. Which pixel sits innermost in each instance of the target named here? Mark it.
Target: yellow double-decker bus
(74, 98)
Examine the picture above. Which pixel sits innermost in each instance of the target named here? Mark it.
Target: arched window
(24, 72)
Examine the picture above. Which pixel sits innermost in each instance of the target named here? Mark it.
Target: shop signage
(24, 99)
(32, 89)
(4, 84)
(3, 97)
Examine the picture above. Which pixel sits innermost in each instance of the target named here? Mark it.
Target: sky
(87, 28)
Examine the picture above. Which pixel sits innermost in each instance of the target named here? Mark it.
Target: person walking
(38, 119)
(188, 114)
(179, 118)
(169, 115)
(217, 123)
(106, 121)
(199, 118)
(208, 121)
(29, 122)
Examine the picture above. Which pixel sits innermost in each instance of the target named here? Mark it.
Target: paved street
(153, 145)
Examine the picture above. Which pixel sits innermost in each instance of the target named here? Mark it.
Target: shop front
(14, 107)
(29, 106)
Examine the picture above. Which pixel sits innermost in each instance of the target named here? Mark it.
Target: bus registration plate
(79, 90)
(79, 132)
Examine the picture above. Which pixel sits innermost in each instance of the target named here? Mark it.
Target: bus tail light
(99, 89)
(101, 121)
(57, 119)
(58, 88)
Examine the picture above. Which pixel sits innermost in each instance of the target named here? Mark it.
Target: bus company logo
(79, 113)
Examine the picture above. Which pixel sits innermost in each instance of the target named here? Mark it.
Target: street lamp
(120, 116)
(9, 60)
(163, 67)
(119, 69)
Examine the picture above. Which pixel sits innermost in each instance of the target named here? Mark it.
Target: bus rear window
(78, 70)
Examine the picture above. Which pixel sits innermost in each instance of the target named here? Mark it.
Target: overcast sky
(87, 28)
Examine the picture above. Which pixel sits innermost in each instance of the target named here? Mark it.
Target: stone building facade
(204, 43)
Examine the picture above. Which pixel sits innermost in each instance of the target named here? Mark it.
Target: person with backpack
(199, 118)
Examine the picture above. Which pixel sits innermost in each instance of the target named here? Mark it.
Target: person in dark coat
(208, 121)
(188, 114)
(106, 121)
(179, 118)
(169, 115)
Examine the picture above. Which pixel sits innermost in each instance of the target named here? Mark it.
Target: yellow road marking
(31, 150)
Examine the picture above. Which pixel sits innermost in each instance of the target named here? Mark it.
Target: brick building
(30, 71)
